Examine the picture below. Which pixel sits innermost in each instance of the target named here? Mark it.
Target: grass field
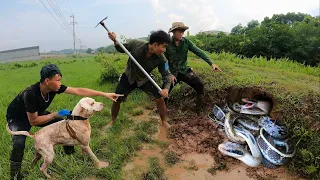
(295, 88)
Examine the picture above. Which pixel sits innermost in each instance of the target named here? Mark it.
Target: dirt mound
(195, 134)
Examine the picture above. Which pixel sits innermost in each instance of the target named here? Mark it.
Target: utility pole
(74, 34)
(80, 46)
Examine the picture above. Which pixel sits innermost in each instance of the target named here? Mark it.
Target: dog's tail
(26, 133)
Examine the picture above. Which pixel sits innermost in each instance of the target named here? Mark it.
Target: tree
(238, 29)
(253, 23)
(89, 50)
(101, 49)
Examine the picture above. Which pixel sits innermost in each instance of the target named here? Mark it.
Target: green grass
(171, 158)
(110, 146)
(137, 112)
(155, 171)
(296, 90)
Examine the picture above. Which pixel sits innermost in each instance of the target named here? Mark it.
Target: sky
(25, 23)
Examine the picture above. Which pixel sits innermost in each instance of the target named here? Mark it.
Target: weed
(171, 158)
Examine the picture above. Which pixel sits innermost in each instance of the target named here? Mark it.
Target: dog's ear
(85, 105)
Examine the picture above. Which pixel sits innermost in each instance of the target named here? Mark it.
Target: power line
(58, 15)
(70, 7)
(45, 6)
(66, 12)
(61, 13)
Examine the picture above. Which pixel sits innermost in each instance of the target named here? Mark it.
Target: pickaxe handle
(134, 60)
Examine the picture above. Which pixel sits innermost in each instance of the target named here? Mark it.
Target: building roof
(20, 49)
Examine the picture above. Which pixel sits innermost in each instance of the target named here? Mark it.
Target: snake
(247, 126)
(244, 122)
(274, 151)
(273, 128)
(239, 152)
(218, 115)
(252, 107)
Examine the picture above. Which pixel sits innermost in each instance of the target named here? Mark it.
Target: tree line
(293, 35)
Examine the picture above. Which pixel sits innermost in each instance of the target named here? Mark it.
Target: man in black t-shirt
(29, 109)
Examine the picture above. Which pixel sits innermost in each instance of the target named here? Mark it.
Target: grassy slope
(292, 86)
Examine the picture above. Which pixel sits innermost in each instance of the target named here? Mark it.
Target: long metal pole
(74, 35)
(134, 60)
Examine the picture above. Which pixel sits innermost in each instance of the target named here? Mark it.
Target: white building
(22, 54)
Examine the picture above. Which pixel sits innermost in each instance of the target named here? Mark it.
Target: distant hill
(66, 51)
(214, 32)
(63, 51)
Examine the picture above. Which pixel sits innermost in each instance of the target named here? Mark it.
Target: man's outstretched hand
(113, 96)
(216, 68)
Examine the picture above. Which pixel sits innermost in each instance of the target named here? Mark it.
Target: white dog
(75, 131)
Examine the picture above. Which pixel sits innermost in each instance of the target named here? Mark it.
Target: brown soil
(194, 134)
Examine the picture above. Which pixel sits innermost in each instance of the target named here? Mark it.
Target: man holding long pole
(148, 55)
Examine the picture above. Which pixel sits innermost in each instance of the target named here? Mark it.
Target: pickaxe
(133, 59)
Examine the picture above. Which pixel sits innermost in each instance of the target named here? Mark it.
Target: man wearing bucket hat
(29, 109)
(177, 54)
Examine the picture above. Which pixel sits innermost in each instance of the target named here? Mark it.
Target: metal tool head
(101, 21)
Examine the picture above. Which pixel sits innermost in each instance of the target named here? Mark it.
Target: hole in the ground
(236, 94)
(184, 101)
(193, 132)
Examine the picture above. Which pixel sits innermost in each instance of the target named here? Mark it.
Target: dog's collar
(71, 117)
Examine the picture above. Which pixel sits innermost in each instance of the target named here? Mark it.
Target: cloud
(223, 15)
(174, 17)
(158, 6)
(198, 15)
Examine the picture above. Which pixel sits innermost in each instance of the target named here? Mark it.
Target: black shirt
(30, 100)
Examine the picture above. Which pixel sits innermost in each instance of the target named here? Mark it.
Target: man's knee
(19, 141)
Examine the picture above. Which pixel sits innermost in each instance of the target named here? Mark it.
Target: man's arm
(30, 103)
(119, 49)
(193, 48)
(36, 120)
(113, 37)
(165, 73)
(91, 92)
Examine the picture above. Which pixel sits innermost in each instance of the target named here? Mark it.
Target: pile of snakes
(250, 129)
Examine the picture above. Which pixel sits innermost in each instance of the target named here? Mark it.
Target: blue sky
(27, 23)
